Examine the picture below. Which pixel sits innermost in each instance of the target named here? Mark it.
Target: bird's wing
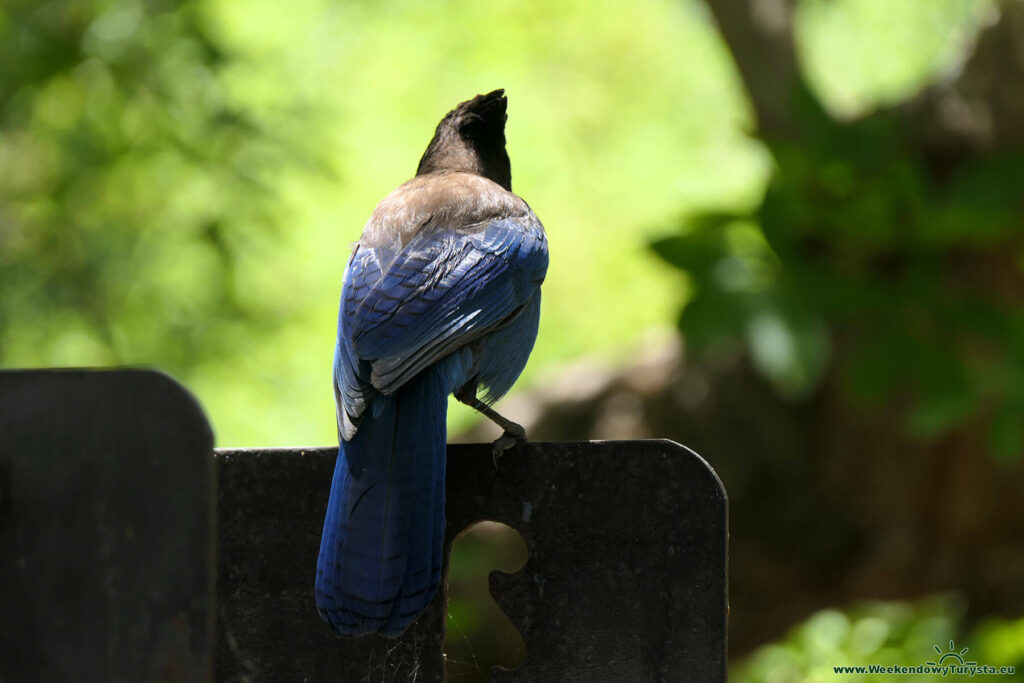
(352, 388)
(443, 290)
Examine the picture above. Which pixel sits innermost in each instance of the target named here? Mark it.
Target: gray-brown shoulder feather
(443, 200)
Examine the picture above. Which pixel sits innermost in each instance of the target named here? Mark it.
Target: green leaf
(713, 319)
(1006, 434)
(789, 348)
(936, 416)
(701, 244)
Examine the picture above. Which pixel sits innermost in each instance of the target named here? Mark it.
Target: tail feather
(423, 563)
(380, 553)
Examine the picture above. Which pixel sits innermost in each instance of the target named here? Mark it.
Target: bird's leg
(513, 433)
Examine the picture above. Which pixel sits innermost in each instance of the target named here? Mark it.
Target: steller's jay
(441, 295)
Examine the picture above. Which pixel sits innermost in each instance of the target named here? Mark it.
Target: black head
(471, 138)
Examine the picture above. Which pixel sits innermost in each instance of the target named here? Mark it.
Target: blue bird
(441, 295)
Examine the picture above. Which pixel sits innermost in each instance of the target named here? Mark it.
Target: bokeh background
(787, 234)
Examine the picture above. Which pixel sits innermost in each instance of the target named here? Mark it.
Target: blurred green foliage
(180, 181)
(857, 54)
(882, 633)
(133, 192)
(865, 258)
(479, 635)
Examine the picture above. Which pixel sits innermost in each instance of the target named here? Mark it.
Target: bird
(441, 296)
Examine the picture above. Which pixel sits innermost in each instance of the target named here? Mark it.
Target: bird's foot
(513, 436)
(513, 433)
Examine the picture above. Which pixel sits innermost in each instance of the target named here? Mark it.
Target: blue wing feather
(402, 311)
(444, 290)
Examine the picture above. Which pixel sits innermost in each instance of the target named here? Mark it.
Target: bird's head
(471, 138)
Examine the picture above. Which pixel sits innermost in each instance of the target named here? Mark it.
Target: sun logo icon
(958, 657)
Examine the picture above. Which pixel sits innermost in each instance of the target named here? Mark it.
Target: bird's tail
(380, 553)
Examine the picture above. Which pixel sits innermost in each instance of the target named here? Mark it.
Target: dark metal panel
(105, 531)
(106, 528)
(626, 579)
(271, 506)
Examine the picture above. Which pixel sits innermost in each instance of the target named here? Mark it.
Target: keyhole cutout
(479, 635)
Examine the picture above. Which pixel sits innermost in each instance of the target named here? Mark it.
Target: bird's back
(442, 200)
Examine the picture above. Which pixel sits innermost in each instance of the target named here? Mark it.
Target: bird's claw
(513, 436)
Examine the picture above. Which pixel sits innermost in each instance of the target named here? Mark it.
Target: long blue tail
(380, 553)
